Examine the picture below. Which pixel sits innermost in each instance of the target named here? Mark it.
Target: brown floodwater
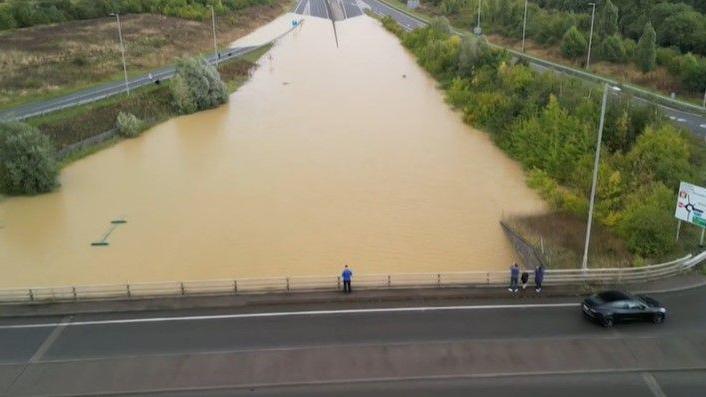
(326, 156)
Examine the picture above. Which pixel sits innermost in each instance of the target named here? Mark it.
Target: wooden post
(183, 290)
(389, 281)
(127, 288)
(31, 295)
(235, 286)
(438, 280)
(73, 291)
(287, 283)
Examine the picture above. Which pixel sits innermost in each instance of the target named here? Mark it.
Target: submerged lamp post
(478, 30)
(122, 50)
(524, 27)
(596, 162)
(213, 25)
(590, 37)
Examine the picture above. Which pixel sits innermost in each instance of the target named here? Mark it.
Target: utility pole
(215, 43)
(590, 37)
(478, 30)
(596, 162)
(524, 27)
(122, 50)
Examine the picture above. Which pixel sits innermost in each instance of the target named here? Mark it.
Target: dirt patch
(561, 238)
(54, 59)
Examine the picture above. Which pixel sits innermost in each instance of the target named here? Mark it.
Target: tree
(440, 25)
(647, 223)
(128, 125)
(27, 160)
(608, 22)
(646, 54)
(197, 86)
(612, 49)
(574, 43)
(472, 54)
(663, 154)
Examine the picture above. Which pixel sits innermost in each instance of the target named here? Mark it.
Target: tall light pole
(596, 163)
(122, 50)
(213, 25)
(590, 37)
(478, 30)
(524, 27)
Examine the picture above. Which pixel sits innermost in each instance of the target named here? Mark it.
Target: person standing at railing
(514, 277)
(539, 277)
(347, 275)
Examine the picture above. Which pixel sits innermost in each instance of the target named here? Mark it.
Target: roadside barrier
(605, 276)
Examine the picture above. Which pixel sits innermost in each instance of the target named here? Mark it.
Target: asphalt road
(447, 348)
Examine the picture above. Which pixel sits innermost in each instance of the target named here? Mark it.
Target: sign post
(691, 207)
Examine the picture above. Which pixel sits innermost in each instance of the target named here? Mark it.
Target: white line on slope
(292, 314)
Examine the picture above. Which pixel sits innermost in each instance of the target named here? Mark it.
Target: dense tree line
(549, 124)
(24, 13)
(660, 35)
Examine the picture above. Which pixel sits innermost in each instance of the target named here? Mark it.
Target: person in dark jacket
(514, 277)
(524, 279)
(347, 275)
(538, 277)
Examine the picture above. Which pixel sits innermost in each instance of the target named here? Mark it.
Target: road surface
(541, 346)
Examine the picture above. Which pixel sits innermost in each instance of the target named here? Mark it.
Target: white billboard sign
(691, 204)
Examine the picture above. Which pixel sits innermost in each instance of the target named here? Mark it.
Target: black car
(609, 307)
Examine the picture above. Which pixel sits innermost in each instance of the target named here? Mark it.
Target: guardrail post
(73, 291)
(487, 278)
(438, 280)
(183, 290)
(389, 281)
(338, 283)
(31, 295)
(127, 288)
(235, 286)
(287, 283)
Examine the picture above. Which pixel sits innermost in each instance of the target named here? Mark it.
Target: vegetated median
(659, 46)
(30, 161)
(48, 61)
(549, 124)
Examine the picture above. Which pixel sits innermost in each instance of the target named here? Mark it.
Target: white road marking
(681, 120)
(653, 385)
(50, 340)
(702, 125)
(292, 314)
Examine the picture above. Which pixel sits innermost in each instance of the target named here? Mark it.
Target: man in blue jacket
(346, 276)
(539, 277)
(514, 276)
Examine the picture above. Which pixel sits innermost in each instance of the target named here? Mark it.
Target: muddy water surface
(327, 156)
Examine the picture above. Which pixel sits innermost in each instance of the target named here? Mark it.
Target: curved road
(542, 346)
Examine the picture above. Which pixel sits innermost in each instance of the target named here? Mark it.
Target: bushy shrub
(197, 86)
(574, 43)
(27, 160)
(128, 125)
(648, 220)
(612, 49)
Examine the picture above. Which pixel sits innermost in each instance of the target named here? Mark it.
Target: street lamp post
(478, 30)
(596, 163)
(122, 50)
(524, 27)
(213, 25)
(590, 37)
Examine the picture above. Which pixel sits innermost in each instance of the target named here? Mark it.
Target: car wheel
(608, 322)
(658, 318)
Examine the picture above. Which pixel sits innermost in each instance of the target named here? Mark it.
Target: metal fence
(333, 283)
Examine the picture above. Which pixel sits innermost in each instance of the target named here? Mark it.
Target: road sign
(691, 204)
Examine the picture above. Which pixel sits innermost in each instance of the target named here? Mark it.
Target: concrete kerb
(369, 296)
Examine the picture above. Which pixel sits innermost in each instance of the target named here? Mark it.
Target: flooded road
(327, 156)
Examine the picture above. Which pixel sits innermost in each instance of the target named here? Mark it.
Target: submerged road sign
(691, 204)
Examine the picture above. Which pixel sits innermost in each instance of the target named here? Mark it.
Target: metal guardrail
(634, 90)
(333, 283)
